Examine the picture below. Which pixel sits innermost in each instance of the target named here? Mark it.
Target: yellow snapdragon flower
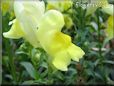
(42, 28)
(57, 44)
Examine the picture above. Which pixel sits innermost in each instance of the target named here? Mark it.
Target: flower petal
(110, 27)
(15, 32)
(62, 60)
(68, 21)
(108, 9)
(60, 41)
(53, 19)
(34, 8)
(75, 52)
(61, 5)
(28, 14)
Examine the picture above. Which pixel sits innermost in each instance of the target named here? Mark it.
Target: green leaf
(30, 69)
(108, 62)
(96, 62)
(98, 76)
(30, 82)
(44, 64)
(89, 72)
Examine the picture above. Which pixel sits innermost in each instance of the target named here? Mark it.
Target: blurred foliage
(23, 64)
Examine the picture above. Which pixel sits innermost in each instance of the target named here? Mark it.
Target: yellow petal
(60, 41)
(34, 8)
(15, 32)
(60, 5)
(6, 6)
(51, 20)
(28, 14)
(67, 4)
(68, 21)
(75, 52)
(62, 60)
(110, 27)
(52, 5)
(108, 9)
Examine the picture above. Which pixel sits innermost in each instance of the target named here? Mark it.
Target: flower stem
(12, 66)
(99, 34)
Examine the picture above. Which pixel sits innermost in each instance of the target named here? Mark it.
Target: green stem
(35, 67)
(12, 66)
(99, 35)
